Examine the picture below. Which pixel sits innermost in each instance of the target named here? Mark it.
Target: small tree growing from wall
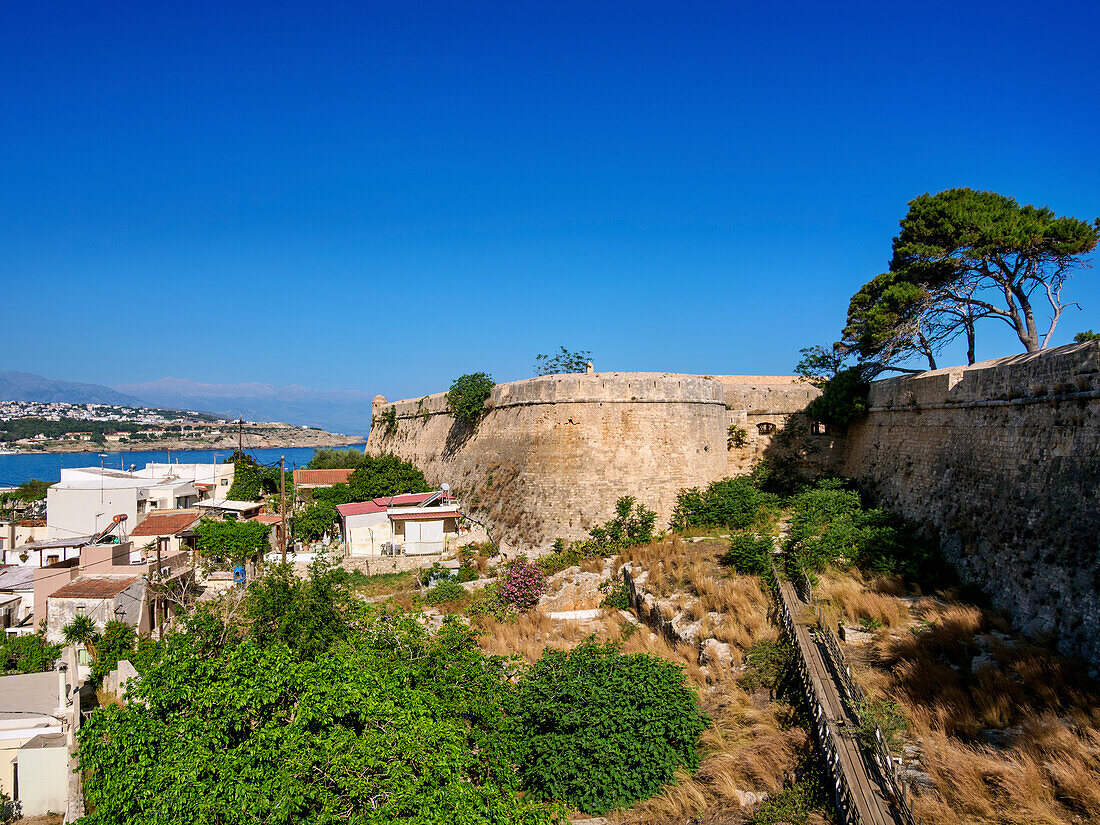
(563, 362)
(467, 396)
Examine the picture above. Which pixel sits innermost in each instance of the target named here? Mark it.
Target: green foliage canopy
(467, 396)
(365, 719)
(27, 654)
(733, 503)
(602, 729)
(986, 252)
(314, 521)
(385, 475)
(231, 542)
(325, 459)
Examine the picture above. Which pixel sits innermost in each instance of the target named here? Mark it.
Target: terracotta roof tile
(321, 477)
(165, 523)
(94, 587)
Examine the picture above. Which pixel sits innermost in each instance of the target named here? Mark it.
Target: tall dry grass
(1009, 732)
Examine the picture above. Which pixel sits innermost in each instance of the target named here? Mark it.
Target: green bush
(617, 594)
(385, 475)
(632, 524)
(831, 526)
(732, 503)
(767, 663)
(467, 396)
(843, 398)
(27, 654)
(603, 729)
(447, 590)
(749, 555)
(116, 643)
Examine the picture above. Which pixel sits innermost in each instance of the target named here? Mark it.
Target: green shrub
(116, 643)
(843, 398)
(467, 396)
(447, 590)
(767, 663)
(27, 654)
(732, 503)
(749, 555)
(632, 524)
(885, 715)
(602, 729)
(618, 594)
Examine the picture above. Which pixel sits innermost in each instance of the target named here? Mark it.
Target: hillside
(24, 386)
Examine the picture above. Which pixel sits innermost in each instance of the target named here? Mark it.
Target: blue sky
(348, 195)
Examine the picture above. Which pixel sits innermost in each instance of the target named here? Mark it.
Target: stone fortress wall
(553, 454)
(999, 461)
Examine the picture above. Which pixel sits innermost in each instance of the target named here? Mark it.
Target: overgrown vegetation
(467, 396)
(252, 481)
(374, 476)
(731, 503)
(27, 654)
(749, 555)
(603, 729)
(227, 543)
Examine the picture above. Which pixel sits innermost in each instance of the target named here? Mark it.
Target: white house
(86, 499)
(413, 524)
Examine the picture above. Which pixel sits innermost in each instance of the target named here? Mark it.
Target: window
(765, 428)
(818, 428)
(53, 559)
(80, 610)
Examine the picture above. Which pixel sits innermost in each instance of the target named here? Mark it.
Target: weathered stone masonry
(554, 453)
(1000, 462)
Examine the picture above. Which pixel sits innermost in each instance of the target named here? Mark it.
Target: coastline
(293, 438)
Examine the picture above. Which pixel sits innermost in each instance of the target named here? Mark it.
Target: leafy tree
(325, 459)
(563, 362)
(116, 643)
(984, 252)
(314, 521)
(467, 396)
(231, 542)
(363, 717)
(603, 729)
(843, 398)
(819, 364)
(251, 480)
(27, 654)
(384, 475)
(1087, 335)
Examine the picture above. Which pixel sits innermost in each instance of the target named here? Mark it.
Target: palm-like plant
(81, 631)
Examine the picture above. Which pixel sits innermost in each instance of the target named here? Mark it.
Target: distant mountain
(22, 386)
(341, 411)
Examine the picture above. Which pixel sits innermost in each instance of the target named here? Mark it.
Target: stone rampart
(554, 453)
(1001, 462)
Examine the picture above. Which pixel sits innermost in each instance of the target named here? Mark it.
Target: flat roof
(28, 693)
(228, 504)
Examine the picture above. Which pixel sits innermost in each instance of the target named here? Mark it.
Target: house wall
(81, 511)
(13, 735)
(364, 534)
(48, 580)
(44, 777)
(130, 602)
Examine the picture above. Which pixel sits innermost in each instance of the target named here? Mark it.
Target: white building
(86, 499)
(413, 525)
(212, 480)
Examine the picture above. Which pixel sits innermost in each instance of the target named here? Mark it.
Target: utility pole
(157, 618)
(240, 436)
(282, 503)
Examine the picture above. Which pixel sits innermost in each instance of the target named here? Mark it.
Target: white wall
(366, 533)
(44, 778)
(82, 511)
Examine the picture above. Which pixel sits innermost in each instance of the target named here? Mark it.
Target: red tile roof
(94, 587)
(380, 505)
(321, 477)
(267, 518)
(424, 515)
(360, 508)
(165, 523)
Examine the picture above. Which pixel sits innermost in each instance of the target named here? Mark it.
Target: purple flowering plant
(522, 583)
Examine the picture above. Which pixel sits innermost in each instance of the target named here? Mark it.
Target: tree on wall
(467, 396)
(986, 255)
(563, 362)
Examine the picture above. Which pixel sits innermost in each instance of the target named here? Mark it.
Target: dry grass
(851, 597)
(752, 744)
(1009, 732)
